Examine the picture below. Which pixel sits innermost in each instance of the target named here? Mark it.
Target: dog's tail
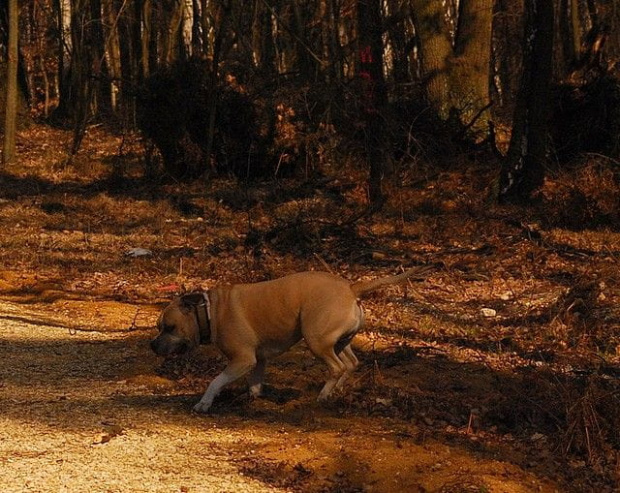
(360, 288)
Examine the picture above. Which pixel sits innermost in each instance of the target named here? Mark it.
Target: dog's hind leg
(337, 368)
(255, 378)
(341, 362)
(351, 362)
(235, 370)
(332, 344)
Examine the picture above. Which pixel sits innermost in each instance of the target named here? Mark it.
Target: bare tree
(523, 171)
(10, 121)
(374, 94)
(456, 58)
(65, 48)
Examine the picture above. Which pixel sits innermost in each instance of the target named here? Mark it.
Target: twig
(325, 264)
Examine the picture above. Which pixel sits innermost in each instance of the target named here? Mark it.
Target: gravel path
(78, 413)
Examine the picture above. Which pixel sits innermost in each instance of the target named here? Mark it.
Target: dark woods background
(275, 87)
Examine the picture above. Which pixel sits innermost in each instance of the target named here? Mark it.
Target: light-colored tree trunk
(435, 53)
(206, 26)
(38, 15)
(471, 64)
(46, 86)
(65, 30)
(172, 39)
(112, 49)
(456, 77)
(187, 26)
(10, 121)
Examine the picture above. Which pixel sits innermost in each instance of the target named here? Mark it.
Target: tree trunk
(456, 79)
(374, 93)
(471, 65)
(398, 39)
(224, 19)
(262, 39)
(130, 49)
(100, 94)
(575, 21)
(112, 49)
(145, 38)
(39, 13)
(336, 52)
(523, 172)
(187, 28)
(10, 122)
(305, 62)
(172, 39)
(65, 50)
(435, 52)
(79, 99)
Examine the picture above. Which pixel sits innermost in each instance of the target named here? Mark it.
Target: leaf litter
(496, 373)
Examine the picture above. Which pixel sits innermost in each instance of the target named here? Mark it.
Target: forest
(150, 148)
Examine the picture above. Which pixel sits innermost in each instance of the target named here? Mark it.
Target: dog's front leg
(235, 369)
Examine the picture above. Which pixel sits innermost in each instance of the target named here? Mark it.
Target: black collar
(203, 317)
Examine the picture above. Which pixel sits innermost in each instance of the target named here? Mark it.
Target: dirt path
(72, 421)
(85, 411)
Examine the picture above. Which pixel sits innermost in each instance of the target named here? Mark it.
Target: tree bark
(187, 28)
(523, 172)
(65, 50)
(305, 62)
(129, 33)
(456, 79)
(78, 100)
(112, 49)
(471, 65)
(435, 52)
(374, 93)
(10, 121)
(263, 47)
(575, 21)
(172, 39)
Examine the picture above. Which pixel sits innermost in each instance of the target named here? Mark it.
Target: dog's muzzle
(169, 346)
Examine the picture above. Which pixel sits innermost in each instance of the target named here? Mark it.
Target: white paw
(202, 407)
(323, 396)
(256, 391)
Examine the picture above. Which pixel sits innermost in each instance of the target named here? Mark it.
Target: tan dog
(251, 323)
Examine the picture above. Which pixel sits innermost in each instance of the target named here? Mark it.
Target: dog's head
(178, 327)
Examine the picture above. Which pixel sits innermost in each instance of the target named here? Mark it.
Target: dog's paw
(256, 391)
(202, 407)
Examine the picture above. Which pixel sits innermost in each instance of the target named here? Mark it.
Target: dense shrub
(174, 110)
(587, 117)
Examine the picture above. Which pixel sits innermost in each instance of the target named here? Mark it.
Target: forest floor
(497, 373)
